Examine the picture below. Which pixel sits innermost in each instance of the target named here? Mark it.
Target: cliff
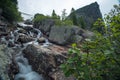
(87, 15)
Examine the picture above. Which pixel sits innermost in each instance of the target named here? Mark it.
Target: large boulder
(24, 38)
(61, 34)
(46, 61)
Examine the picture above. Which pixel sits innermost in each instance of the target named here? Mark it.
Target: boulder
(28, 21)
(41, 40)
(61, 34)
(64, 35)
(44, 25)
(46, 61)
(24, 38)
(87, 34)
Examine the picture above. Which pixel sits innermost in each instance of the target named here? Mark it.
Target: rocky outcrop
(64, 35)
(88, 14)
(25, 38)
(47, 61)
(44, 25)
(5, 60)
(61, 34)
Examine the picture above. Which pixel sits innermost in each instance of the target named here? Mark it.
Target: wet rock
(24, 38)
(41, 40)
(22, 31)
(45, 61)
(3, 28)
(28, 28)
(11, 44)
(28, 21)
(5, 60)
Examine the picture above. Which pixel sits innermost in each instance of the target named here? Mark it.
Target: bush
(40, 17)
(64, 22)
(98, 58)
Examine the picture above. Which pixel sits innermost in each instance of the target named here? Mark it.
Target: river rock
(41, 40)
(24, 38)
(45, 61)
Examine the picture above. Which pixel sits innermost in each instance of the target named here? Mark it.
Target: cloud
(46, 6)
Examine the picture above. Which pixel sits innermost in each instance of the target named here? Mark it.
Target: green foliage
(73, 17)
(99, 25)
(64, 14)
(65, 22)
(82, 22)
(97, 58)
(39, 17)
(10, 11)
(54, 15)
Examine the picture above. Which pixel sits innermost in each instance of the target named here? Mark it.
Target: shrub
(98, 58)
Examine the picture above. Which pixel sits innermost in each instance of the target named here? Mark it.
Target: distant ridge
(89, 14)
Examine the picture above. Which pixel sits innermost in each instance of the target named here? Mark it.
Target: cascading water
(25, 70)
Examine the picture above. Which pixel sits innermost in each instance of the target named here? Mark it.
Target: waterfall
(25, 70)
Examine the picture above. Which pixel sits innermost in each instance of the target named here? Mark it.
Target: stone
(41, 40)
(44, 25)
(61, 34)
(57, 76)
(24, 38)
(5, 60)
(45, 61)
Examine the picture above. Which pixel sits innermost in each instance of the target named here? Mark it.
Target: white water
(25, 70)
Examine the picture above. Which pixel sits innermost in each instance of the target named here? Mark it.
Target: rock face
(5, 59)
(44, 25)
(46, 61)
(89, 14)
(63, 35)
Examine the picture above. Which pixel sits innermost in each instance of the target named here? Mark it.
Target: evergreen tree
(10, 10)
(64, 14)
(54, 14)
(81, 22)
(73, 17)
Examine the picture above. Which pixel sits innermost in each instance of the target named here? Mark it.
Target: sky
(46, 6)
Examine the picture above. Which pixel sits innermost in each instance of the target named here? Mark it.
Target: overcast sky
(46, 6)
